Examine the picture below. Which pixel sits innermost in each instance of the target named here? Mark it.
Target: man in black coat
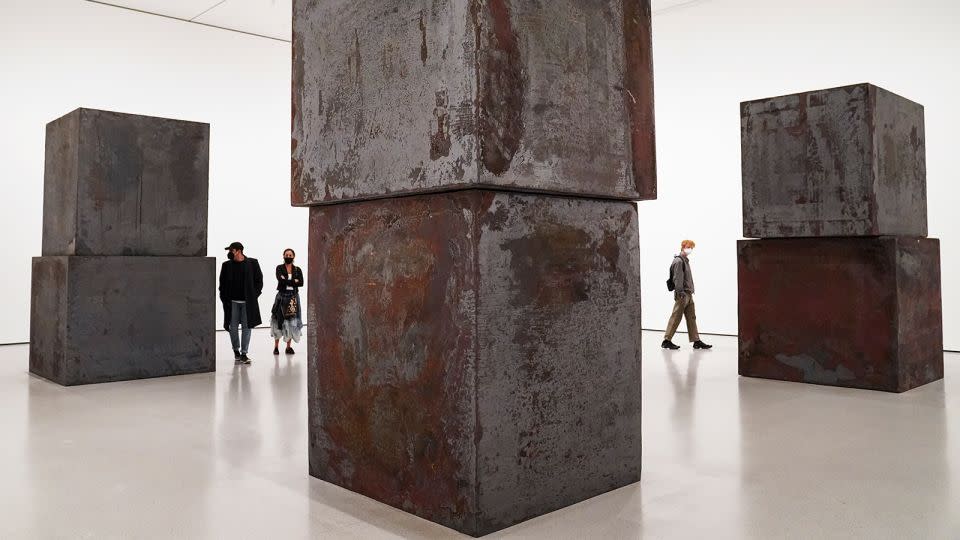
(241, 283)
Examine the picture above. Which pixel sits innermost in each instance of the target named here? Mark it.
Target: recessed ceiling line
(679, 6)
(135, 10)
(204, 12)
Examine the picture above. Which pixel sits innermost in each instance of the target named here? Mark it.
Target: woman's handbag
(291, 309)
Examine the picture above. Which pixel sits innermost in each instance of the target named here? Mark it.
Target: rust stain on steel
(638, 85)
(423, 40)
(853, 312)
(298, 187)
(500, 85)
(544, 278)
(392, 366)
(846, 161)
(440, 140)
(444, 378)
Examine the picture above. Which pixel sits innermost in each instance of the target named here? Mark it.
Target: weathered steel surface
(392, 354)
(840, 162)
(476, 354)
(395, 97)
(124, 184)
(558, 374)
(102, 319)
(854, 312)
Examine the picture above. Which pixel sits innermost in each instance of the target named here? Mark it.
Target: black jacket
(253, 286)
(283, 282)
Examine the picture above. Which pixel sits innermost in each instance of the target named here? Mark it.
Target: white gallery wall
(712, 54)
(57, 55)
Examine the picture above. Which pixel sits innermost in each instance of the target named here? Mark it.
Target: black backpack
(670, 285)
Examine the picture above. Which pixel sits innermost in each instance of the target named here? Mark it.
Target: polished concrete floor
(224, 456)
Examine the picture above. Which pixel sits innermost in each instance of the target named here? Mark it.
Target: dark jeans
(238, 316)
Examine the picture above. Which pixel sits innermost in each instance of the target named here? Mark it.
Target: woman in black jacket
(285, 320)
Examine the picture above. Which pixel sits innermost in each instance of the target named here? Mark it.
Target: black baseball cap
(235, 245)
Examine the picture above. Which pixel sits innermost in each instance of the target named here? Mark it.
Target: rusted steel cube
(854, 312)
(104, 319)
(395, 97)
(840, 162)
(125, 184)
(475, 355)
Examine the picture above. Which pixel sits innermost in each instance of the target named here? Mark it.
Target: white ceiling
(660, 6)
(268, 18)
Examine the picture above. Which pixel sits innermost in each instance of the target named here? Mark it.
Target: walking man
(683, 306)
(241, 283)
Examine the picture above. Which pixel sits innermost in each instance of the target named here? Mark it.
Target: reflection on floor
(224, 456)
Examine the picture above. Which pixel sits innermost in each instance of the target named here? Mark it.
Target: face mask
(231, 256)
(288, 260)
(688, 251)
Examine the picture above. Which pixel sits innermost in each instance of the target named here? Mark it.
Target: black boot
(667, 344)
(236, 354)
(276, 351)
(701, 345)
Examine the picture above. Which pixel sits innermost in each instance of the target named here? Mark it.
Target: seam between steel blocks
(471, 187)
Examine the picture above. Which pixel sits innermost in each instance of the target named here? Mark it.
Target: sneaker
(276, 351)
(701, 345)
(236, 354)
(667, 344)
(289, 350)
(244, 359)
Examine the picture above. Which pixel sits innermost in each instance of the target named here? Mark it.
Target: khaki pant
(683, 307)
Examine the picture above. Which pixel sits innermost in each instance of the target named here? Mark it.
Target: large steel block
(840, 162)
(475, 355)
(397, 97)
(854, 312)
(124, 184)
(103, 319)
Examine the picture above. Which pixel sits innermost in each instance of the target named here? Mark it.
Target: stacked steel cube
(123, 289)
(474, 301)
(843, 288)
